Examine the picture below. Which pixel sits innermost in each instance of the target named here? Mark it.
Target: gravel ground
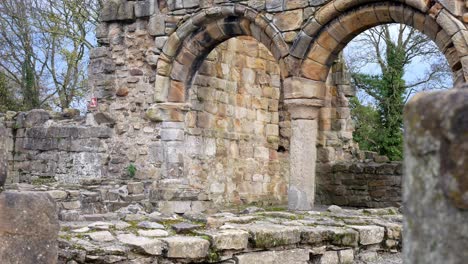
(386, 258)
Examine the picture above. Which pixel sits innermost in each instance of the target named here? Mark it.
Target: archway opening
(361, 125)
(235, 134)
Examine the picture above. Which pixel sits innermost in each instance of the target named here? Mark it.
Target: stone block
(296, 87)
(191, 3)
(28, 228)
(229, 239)
(117, 10)
(178, 207)
(72, 205)
(142, 9)
(269, 235)
(272, 130)
(261, 153)
(159, 113)
(297, 256)
(314, 70)
(176, 91)
(145, 245)
(58, 194)
(274, 5)
(186, 247)
(135, 188)
(369, 235)
(289, 20)
(36, 117)
(101, 236)
(368, 256)
(346, 256)
(329, 257)
(335, 235)
(172, 134)
(301, 45)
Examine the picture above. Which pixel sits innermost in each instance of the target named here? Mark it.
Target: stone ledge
(335, 236)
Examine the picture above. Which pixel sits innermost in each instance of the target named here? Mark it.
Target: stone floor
(253, 235)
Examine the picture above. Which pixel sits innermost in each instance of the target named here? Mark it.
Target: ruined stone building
(204, 104)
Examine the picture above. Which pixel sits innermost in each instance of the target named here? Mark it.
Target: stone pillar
(28, 228)
(435, 186)
(303, 152)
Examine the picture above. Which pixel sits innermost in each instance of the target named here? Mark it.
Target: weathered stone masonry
(360, 184)
(304, 37)
(208, 122)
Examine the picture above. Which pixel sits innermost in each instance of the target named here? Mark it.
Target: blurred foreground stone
(436, 178)
(28, 228)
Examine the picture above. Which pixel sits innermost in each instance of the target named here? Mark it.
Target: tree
(7, 96)
(68, 25)
(45, 45)
(365, 118)
(17, 54)
(393, 49)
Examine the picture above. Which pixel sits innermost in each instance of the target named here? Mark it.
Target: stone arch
(187, 47)
(317, 46)
(338, 22)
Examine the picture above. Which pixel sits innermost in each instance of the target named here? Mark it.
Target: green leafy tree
(392, 49)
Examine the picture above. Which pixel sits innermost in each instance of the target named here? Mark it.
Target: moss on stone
(266, 240)
(213, 256)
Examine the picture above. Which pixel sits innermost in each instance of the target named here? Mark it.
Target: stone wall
(235, 142)
(372, 185)
(230, 143)
(200, 121)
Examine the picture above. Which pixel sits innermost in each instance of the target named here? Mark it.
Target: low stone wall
(46, 147)
(95, 199)
(371, 185)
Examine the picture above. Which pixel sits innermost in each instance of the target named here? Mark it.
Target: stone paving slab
(257, 236)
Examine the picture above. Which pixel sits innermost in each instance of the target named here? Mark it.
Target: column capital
(299, 88)
(304, 108)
